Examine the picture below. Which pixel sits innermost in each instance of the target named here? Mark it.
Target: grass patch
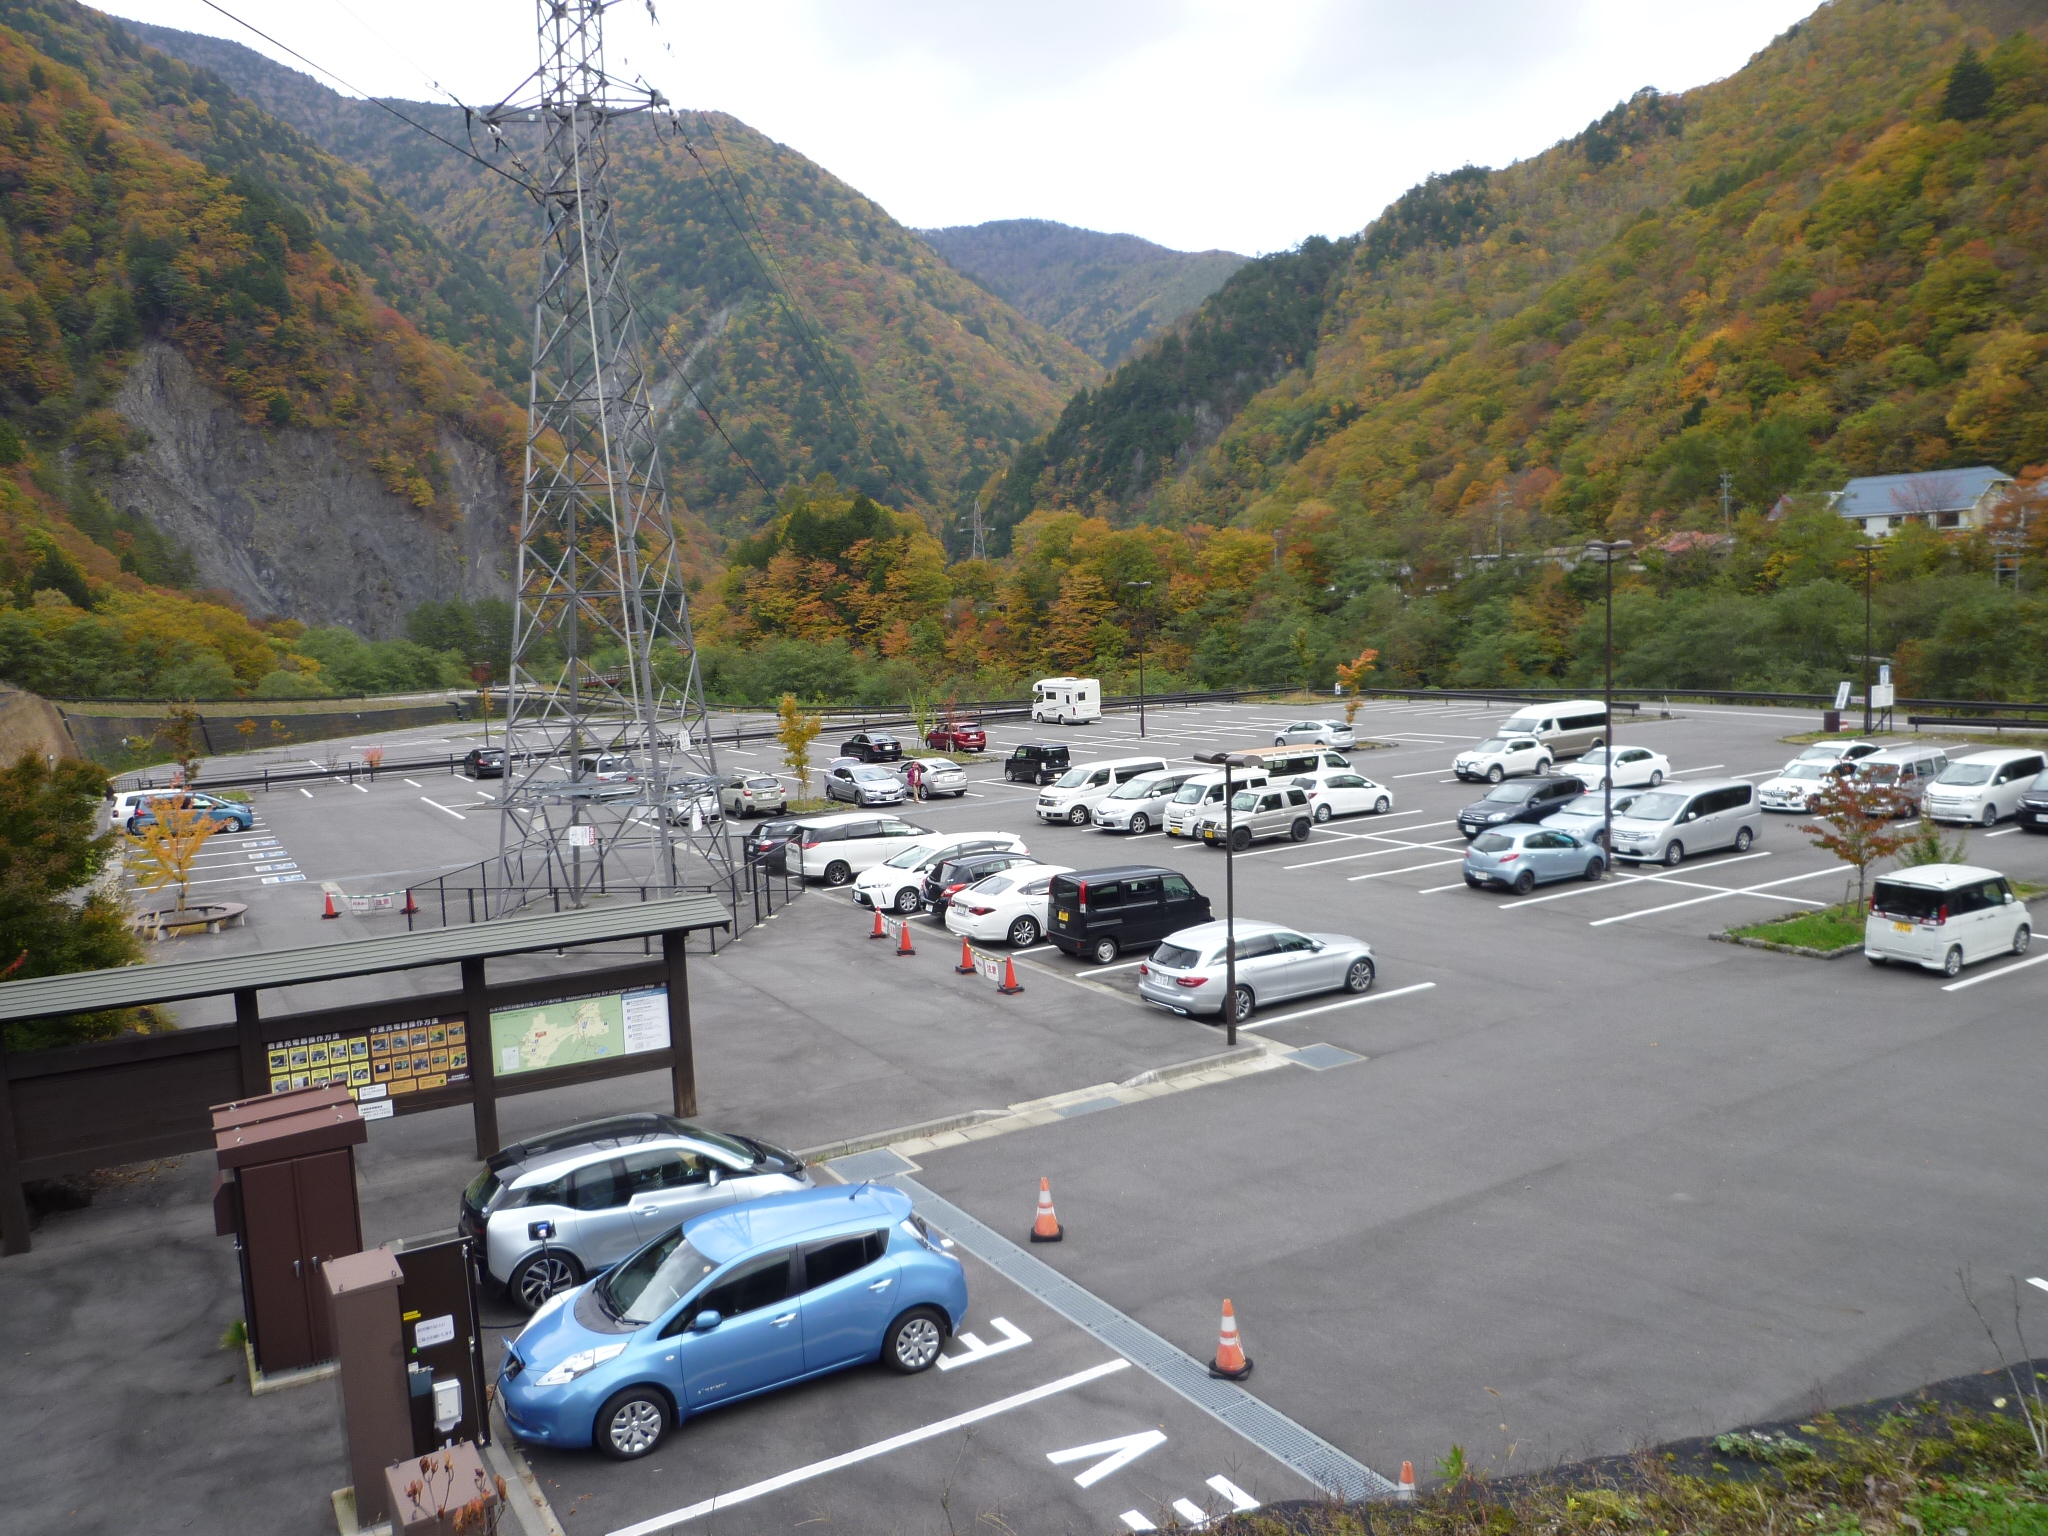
(1829, 928)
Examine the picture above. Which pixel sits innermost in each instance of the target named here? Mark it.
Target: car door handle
(784, 1321)
(883, 1285)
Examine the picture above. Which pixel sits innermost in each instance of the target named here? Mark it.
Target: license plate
(1066, 917)
(1902, 927)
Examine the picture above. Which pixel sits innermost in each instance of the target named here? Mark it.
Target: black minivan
(1037, 762)
(1099, 913)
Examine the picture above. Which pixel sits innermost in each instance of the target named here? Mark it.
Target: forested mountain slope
(1107, 294)
(883, 366)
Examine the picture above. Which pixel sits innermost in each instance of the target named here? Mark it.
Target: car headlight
(583, 1361)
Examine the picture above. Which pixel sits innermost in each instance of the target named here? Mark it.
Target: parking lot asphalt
(1636, 1183)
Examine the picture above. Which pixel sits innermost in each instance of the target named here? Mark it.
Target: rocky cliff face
(288, 523)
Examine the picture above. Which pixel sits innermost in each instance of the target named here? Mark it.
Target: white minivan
(1073, 796)
(1139, 805)
(836, 848)
(1984, 787)
(1199, 794)
(1567, 728)
(1066, 700)
(1943, 916)
(1663, 825)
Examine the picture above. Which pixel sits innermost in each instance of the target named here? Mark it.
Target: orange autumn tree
(1353, 675)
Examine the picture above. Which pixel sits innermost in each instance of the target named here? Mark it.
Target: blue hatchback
(1521, 857)
(734, 1303)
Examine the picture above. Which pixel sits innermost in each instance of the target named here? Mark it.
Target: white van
(1567, 728)
(1942, 916)
(1073, 796)
(1984, 787)
(836, 848)
(1663, 825)
(1202, 793)
(1066, 700)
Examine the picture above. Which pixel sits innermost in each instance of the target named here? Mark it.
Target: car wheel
(1140, 824)
(1495, 774)
(1241, 838)
(1595, 868)
(2021, 939)
(1381, 806)
(1743, 839)
(908, 901)
(631, 1423)
(1989, 818)
(1322, 814)
(1299, 831)
(1247, 1005)
(1525, 882)
(1952, 962)
(1078, 816)
(1102, 951)
(836, 873)
(912, 1342)
(1279, 741)
(1656, 777)
(1359, 978)
(1024, 932)
(1674, 855)
(544, 1274)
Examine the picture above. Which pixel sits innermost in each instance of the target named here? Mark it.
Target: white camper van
(1066, 700)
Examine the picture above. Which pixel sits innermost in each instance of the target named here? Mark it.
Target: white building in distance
(1940, 498)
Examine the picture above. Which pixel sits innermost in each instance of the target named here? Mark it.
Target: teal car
(226, 815)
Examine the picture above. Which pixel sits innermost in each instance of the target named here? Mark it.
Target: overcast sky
(1203, 123)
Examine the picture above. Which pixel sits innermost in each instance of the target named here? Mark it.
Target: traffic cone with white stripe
(330, 912)
(966, 965)
(881, 929)
(1230, 1363)
(903, 938)
(1047, 1228)
(1405, 1489)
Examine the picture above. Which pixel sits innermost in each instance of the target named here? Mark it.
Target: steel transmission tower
(603, 662)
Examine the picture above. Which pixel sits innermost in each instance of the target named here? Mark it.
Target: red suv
(958, 736)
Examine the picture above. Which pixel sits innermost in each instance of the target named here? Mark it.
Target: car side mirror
(716, 1175)
(706, 1320)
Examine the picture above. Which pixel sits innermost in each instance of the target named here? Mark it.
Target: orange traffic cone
(966, 965)
(903, 938)
(881, 931)
(330, 912)
(1010, 982)
(411, 907)
(1405, 1489)
(1230, 1362)
(1047, 1228)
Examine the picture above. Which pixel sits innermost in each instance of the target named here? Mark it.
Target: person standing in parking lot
(915, 773)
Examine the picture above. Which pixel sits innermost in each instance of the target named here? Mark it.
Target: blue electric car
(728, 1305)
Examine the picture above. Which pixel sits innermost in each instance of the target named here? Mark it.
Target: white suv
(836, 848)
(897, 883)
(1075, 794)
(1983, 787)
(1497, 757)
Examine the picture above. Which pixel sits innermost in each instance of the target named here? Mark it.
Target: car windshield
(1073, 778)
(911, 857)
(994, 885)
(760, 784)
(1657, 807)
(1807, 771)
(1492, 842)
(1597, 755)
(1176, 956)
(1513, 793)
(1965, 773)
(653, 1280)
(1244, 800)
(1492, 744)
(1826, 752)
(1137, 789)
(1596, 805)
(1188, 794)
(1879, 773)
(872, 775)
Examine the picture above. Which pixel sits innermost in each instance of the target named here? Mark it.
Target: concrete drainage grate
(882, 1163)
(1266, 1427)
(1320, 1058)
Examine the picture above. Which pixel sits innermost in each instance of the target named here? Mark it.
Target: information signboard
(594, 1027)
(375, 1064)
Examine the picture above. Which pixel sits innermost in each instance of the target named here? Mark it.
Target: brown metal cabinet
(288, 1195)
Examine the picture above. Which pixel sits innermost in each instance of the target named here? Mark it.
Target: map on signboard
(581, 1029)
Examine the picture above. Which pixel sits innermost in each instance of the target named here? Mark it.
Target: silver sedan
(1186, 974)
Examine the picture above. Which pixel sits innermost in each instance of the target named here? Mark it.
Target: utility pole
(1228, 761)
(1866, 550)
(1608, 551)
(1727, 514)
(599, 562)
(1140, 586)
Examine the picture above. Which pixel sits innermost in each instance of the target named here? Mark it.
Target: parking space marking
(352, 784)
(1101, 968)
(869, 1452)
(2004, 970)
(1423, 774)
(1750, 890)
(307, 793)
(2008, 832)
(1013, 1338)
(415, 783)
(1408, 869)
(1619, 881)
(1708, 768)
(437, 805)
(1349, 1002)
(1115, 1454)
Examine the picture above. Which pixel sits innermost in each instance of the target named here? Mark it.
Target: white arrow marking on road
(1116, 1454)
(1240, 1501)
(1189, 1511)
(1136, 1521)
(1013, 1338)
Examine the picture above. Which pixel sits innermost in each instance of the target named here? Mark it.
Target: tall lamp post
(1607, 551)
(1129, 585)
(1228, 761)
(1866, 550)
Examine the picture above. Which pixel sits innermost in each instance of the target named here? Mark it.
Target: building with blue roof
(1939, 498)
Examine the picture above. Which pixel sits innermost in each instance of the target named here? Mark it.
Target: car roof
(1997, 755)
(1907, 754)
(728, 1234)
(1032, 869)
(1940, 877)
(837, 819)
(610, 1132)
(1202, 935)
(1119, 871)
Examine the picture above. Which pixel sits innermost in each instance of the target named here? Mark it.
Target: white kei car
(897, 884)
(1794, 789)
(1010, 905)
(1634, 767)
(1500, 757)
(1341, 792)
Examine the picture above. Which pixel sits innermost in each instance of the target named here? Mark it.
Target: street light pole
(1866, 550)
(1141, 661)
(1607, 551)
(1229, 760)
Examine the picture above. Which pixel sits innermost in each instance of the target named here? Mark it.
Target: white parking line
(415, 783)
(1709, 768)
(1748, 890)
(2008, 832)
(307, 793)
(1349, 1002)
(869, 1452)
(437, 805)
(2004, 970)
(357, 788)
(1408, 869)
(1099, 969)
(1423, 774)
(1619, 881)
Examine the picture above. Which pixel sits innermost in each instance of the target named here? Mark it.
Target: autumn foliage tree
(795, 731)
(1853, 822)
